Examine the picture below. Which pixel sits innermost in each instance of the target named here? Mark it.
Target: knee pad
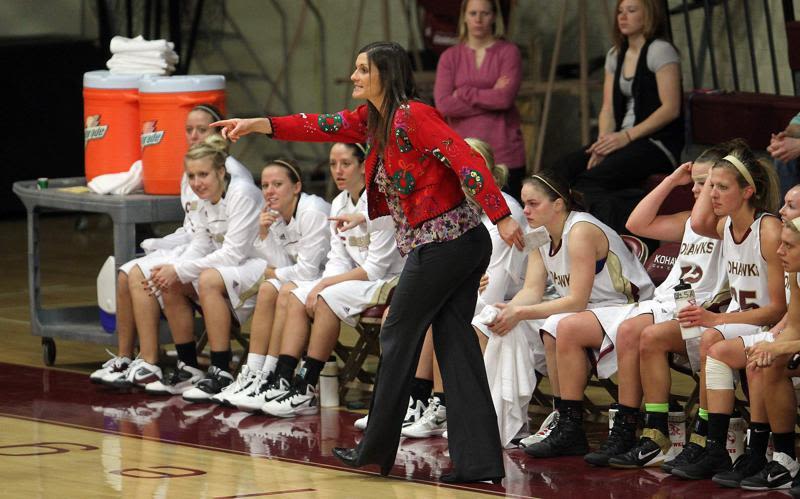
(718, 375)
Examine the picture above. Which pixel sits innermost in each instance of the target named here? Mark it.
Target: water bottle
(329, 384)
(684, 297)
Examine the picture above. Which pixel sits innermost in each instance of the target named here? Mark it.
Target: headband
(741, 169)
(545, 182)
(796, 223)
(361, 148)
(214, 114)
(287, 165)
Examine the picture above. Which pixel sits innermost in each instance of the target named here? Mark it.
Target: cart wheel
(48, 351)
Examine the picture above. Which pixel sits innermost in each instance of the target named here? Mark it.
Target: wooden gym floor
(64, 437)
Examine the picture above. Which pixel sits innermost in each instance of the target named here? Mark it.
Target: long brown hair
(654, 23)
(396, 78)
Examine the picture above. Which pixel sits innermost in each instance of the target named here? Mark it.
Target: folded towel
(120, 59)
(122, 44)
(512, 379)
(119, 183)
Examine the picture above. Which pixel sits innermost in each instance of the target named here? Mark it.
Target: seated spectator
(640, 123)
(477, 82)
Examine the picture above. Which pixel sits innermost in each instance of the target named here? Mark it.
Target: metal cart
(83, 323)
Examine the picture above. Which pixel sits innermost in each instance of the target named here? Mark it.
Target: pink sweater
(478, 110)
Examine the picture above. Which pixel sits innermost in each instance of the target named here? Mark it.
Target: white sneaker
(432, 423)
(300, 400)
(139, 373)
(253, 397)
(547, 427)
(413, 413)
(113, 365)
(242, 382)
(182, 378)
(214, 381)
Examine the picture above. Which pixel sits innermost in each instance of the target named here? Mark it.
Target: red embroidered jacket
(426, 160)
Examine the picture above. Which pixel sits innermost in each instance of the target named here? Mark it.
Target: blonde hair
(766, 195)
(498, 28)
(214, 147)
(499, 172)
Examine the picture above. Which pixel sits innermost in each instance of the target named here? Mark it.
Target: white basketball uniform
(507, 265)
(700, 264)
(298, 249)
(223, 240)
(747, 276)
(752, 339)
(374, 252)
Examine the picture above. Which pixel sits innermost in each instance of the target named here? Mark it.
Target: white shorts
(241, 284)
(147, 262)
(349, 298)
(661, 311)
(752, 339)
(532, 331)
(730, 331)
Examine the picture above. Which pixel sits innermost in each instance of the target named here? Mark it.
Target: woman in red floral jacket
(415, 169)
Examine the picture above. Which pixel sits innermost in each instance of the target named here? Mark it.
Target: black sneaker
(691, 452)
(650, 451)
(568, 439)
(621, 439)
(777, 474)
(216, 379)
(746, 465)
(715, 460)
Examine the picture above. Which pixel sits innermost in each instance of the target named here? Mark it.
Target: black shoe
(216, 379)
(776, 475)
(746, 465)
(567, 439)
(621, 439)
(715, 460)
(350, 457)
(456, 478)
(690, 454)
(650, 451)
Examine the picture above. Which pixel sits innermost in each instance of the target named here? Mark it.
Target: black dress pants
(438, 287)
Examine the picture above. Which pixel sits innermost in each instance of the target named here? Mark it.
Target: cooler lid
(106, 79)
(181, 83)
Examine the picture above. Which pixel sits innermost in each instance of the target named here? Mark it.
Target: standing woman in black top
(640, 123)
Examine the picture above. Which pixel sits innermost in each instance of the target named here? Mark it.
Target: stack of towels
(140, 56)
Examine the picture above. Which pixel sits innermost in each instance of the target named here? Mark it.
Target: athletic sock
(784, 442)
(759, 438)
(187, 353)
(285, 368)
(442, 399)
(657, 417)
(255, 361)
(556, 403)
(221, 360)
(718, 427)
(270, 363)
(572, 410)
(311, 369)
(421, 390)
(701, 423)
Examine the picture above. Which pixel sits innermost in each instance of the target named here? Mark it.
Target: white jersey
(699, 263)
(746, 267)
(619, 279)
(191, 205)
(507, 265)
(374, 252)
(298, 249)
(224, 232)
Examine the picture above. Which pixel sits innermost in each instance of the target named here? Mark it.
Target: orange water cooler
(111, 122)
(164, 104)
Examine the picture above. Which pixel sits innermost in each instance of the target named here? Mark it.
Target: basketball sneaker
(139, 373)
(115, 364)
(547, 427)
(778, 474)
(214, 381)
(243, 381)
(300, 400)
(432, 423)
(182, 378)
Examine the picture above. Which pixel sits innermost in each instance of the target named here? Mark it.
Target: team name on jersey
(701, 248)
(743, 269)
(560, 279)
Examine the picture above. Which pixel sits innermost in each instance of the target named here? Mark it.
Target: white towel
(119, 59)
(122, 44)
(512, 379)
(119, 183)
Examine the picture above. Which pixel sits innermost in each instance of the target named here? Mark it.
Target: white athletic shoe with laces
(242, 382)
(182, 378)
(139, 373)
(432, 423)
(300, 400)
(115, 364)
(413, 413)
(547, 427)
(265, 391)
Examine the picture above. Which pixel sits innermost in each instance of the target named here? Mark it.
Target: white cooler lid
(106, 79)
(181, 83)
